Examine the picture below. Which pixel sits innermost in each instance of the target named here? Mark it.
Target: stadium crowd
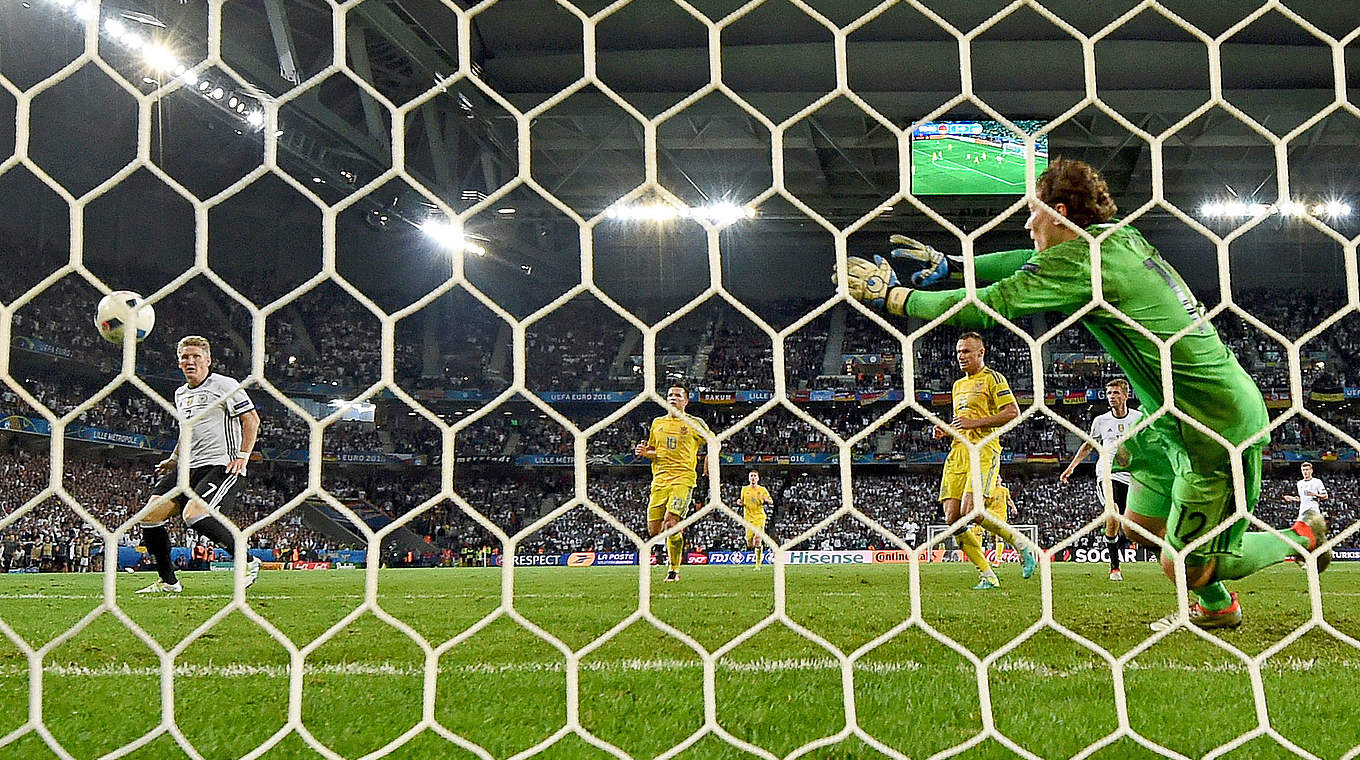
(326, 337)
(584, 347)
(111, 492)
(903, 504)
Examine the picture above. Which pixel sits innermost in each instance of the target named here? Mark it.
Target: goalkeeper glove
(876, 284)
(935, 265)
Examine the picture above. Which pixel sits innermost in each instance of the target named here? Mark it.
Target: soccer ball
(119, 309)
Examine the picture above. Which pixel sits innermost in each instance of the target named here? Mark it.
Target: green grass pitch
(951, 166)
(505, 689)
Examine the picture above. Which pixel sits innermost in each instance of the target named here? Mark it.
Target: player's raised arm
(1056, 279)
(938, 267)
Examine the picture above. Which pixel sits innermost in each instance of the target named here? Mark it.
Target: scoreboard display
(973, 157)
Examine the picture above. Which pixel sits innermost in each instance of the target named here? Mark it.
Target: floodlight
(161, 58)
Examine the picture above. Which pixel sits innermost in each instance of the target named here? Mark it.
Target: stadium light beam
(161, 58)
(721, 214)
(1292, 208)
(1237, 209)
(446, 235)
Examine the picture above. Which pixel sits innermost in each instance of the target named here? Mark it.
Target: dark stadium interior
(453, 352)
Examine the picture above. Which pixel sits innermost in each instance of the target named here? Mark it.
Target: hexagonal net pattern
(846, 661)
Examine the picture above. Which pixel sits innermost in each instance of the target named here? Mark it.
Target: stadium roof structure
(841, 159)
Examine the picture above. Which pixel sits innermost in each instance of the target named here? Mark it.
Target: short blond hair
(1119, 383)
(194, 340)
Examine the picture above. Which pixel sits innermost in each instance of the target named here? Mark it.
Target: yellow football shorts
(757, 520)
(954, 482)
(674, 499)
(996, 507)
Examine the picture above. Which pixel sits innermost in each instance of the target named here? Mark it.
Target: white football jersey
(1109, 430)
(217, 434)
(1308, 496)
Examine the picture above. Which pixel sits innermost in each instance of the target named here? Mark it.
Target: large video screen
(972, 158)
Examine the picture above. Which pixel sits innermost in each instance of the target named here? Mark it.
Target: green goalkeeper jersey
(1208, 384)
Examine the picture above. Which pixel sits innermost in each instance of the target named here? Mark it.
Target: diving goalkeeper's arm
(1057, 279)
(937, 267)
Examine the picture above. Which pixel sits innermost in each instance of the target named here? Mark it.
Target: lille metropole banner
(801, 557)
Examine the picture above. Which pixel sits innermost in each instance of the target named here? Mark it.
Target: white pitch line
(985, 174)
(101, 596)
(637, 665)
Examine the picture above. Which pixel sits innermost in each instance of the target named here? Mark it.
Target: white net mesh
(396, 118)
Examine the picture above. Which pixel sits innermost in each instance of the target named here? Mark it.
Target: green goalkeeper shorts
(1184, 477)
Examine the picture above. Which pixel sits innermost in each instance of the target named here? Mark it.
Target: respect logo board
(537, 560)
(575, 559)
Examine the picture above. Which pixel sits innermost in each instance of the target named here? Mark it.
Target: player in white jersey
(224, 423)
(1311, 492)
(1110, 429)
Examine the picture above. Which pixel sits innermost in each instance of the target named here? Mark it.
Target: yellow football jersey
(981, 395)
(677, 441)
(753, 500)
(996, 501)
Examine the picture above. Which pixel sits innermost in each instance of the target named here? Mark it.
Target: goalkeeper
(1183, 487)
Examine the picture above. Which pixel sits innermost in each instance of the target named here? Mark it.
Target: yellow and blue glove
(876, 284)
(934, 265)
